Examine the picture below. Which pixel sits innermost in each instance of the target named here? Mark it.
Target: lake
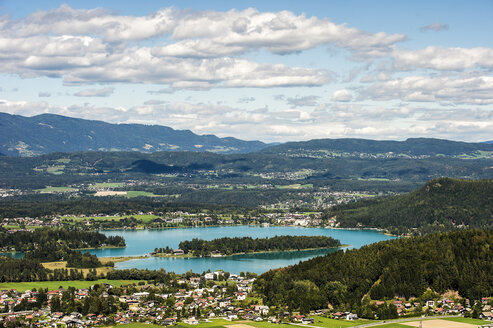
(142, 242)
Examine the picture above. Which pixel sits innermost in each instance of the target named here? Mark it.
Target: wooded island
(241, 245)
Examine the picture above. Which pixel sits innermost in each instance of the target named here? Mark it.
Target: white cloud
(105, 92)
(335, 120)
(434, 27)
(440, 58)
(475, 90)
(246, 100)
(306, 101)
(199, 49)
(206, 34)
(342, 95)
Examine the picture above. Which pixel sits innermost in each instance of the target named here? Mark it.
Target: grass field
(467, 320)
(52, 285)
(295, 186)
(139, 325)
(319, 322)
(63, 265)
(55, 189)
(333, 323)
(224, 323)
(108, 185)
(134, 193)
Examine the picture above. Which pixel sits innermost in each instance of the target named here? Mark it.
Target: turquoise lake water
(142, 242)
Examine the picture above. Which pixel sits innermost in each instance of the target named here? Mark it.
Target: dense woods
(441, 204)
(39, 238)
(461, 260)
(21, 270)
(228, 245)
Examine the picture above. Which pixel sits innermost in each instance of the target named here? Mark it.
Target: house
(487, 315)
(299, 317)
(178, 252)
(337, 315)
(191, 321)
(240, 296)
(351, 316)
(307, 321)
(168, 321)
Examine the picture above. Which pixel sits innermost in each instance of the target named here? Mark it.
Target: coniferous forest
(407, 267)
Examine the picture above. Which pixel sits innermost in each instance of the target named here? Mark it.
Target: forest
(407, 267)
(441, 204)
(228, 246)
(25, 241)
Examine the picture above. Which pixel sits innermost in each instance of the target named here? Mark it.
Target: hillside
(47, 133)
(413, 147)
(461, 260)
(441, 203)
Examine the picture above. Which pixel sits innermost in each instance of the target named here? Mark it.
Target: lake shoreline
(247, 253)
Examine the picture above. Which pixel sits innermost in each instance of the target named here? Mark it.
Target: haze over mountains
(48, 133)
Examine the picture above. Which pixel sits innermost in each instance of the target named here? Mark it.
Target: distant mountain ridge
(47, 133)
(351, 146)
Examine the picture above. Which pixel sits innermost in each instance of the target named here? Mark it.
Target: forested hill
(442, 203)
(413, 147)
(47, 133)
(461, 261)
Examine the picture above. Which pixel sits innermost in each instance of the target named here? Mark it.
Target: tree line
(24, 241)
(226, 245)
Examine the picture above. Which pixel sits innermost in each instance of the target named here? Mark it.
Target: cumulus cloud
(246, 100)
(105, 92)
(434, 27)
(206, 34)
(342, 95)
(474, 90)
(199, 49)
(306, 101)
(440, 58)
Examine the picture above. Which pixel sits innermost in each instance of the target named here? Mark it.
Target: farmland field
(51, 285)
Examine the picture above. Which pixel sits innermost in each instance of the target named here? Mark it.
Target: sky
(273, 71)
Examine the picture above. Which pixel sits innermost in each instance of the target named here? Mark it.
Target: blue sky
(266, 70)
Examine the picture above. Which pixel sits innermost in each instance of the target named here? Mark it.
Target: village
(190, 300)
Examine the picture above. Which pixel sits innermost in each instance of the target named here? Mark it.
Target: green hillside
(407, 267)
(442, 203)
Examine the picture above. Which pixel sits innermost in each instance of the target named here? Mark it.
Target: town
(193, 299)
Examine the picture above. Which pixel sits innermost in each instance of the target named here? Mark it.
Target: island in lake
(241, 245)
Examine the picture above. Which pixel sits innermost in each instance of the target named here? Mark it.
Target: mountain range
(49, 133)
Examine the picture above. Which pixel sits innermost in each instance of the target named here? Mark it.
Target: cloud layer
(354, 84)
(195, 50)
